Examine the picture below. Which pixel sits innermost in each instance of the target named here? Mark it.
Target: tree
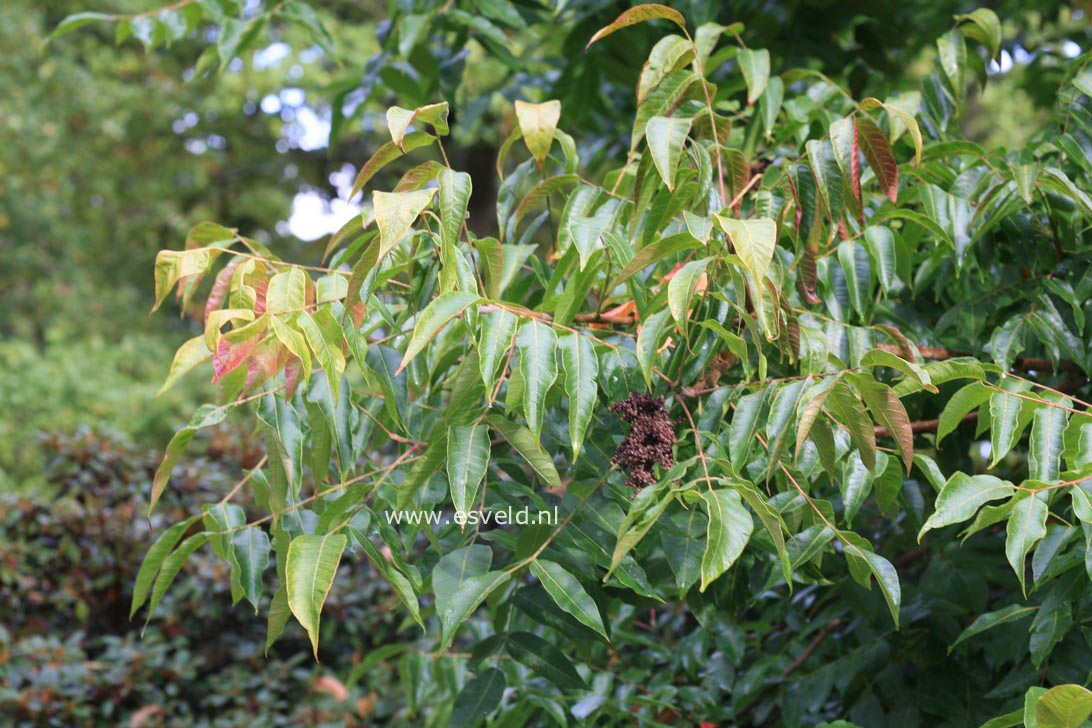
(771, 372)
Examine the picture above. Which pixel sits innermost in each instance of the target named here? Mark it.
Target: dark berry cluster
(649, 441)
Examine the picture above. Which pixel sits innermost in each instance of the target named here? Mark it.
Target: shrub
(69, 654)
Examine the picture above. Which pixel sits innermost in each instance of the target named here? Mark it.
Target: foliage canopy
(805, 379)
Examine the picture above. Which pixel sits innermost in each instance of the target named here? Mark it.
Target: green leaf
(190, 355)
(666, 137)
(883, 358)
(843, 140)
(1008, 720)
(1026, 526)
(435, 316)
(153, 561)
(639, 14)
(982, 25)
(953, 59)
(728, 531)
(568, 594)
(1011, 613)
(877, 152)
(478, 698)
(398, 581)
(755, 66)
(1047, 440)
(652, 332)
(682, 287)
(770, 519)
(654, 252)
(1006, 423)
(580, 367)
(544, 659)
(324, 335)
(399, 120)
(455, 190)
(671, 53)
(753, 241)
(962, 403)
(529, 448)
(207, 415)
(498, 331)
(174, 265)
(744, 427)
(1031, 697)
(863, 563)
(309, 569)
(828, 176)
(78, 20)
(294, 341)
(287, 292)
(1050, 626)
(586, 233)
(1064, 706)
(771, 103)
(467, 462)
(250, 550)
(461, 581)
(961, 498)
(278, 617)
(395, 213)
(538, 122)
(382, 362)
(537, 344)
(170, 568)
(855, 264)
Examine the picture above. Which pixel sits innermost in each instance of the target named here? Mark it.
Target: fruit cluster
(650, 439)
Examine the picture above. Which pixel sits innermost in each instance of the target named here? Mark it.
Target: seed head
(650, 440)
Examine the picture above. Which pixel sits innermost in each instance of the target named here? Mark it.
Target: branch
(926, 425)
(1023, 363)
(604, 318)
(583, 318)
(812, 646)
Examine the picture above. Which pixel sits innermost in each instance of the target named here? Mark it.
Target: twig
(1024, 363)
(812, 646)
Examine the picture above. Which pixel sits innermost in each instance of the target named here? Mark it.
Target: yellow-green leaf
(399, 120)
(308, 575)
(395, 212)
(538, 122)
(640, 14)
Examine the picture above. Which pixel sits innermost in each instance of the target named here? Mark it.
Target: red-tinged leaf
(220, 287)
(855, 166)
(889, 413)
(263, 363)
(358, 313)
(807, 277)
(639, 14)
(230, 355)
(293, 371)
(260, 284)
(387, 154)
(738, 171)
(877, 150)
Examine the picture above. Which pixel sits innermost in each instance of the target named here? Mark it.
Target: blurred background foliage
(109, 153)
